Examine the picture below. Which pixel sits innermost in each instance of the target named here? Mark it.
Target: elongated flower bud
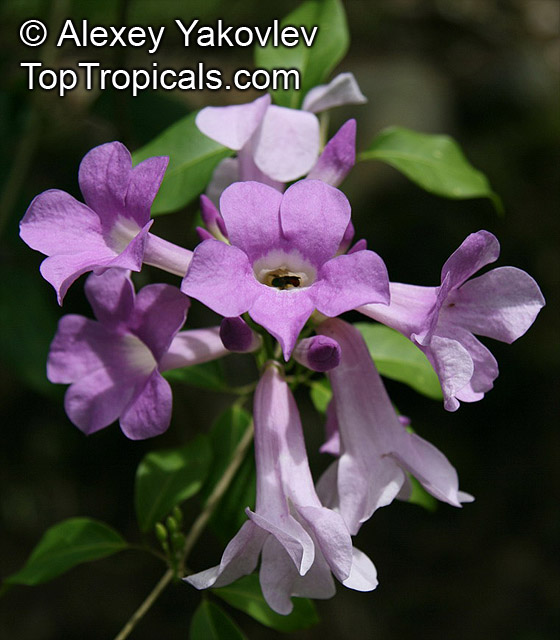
(212, 218)
(319, 353)
(238, 336)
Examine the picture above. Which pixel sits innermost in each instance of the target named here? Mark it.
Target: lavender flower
(500, 304)
(282, 261)
(110, 230)
(114, 364)
(276, 144)
(375, 448)
(300, 541)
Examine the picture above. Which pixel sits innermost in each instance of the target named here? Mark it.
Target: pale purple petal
(226, 173)
(338, 156)
(351, 280)
(81, 346)
(221, 277)
(56, 223)
(363, 575)
(248, 170)
(430, 467)
(286, 145)
(97, 400)
(280, 580)
(194, 346)
(131, 255)
(111, 296)
(476, 251)
(501, 304)
(149, 413)
(314, 217)
(251, 212)
(233, 125)
(361, 245)
(282, 313)
(104, 176)
(453, 365)
(343, 89)
(332, 434)
(144, 183)
(346, 239)
(408, 310)
(239, 559)
(159, 312)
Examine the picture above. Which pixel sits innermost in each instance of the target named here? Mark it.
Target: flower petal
(251, 213)
(363, 575)
(144, 183)
(149, 413)
(283, 314)
(233, 125)
(159, 312)
(342, 89)
(338, 156)
(104, 176)
(477, 250)
(111, 296)
(349, 281)
(286, 145)
(501, 304)
(221, 277)
(314, 217)
(194, 346)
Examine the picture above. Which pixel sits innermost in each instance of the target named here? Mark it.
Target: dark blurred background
(484, 71)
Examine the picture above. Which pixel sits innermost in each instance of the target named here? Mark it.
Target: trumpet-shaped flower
(300, 541)
(282, 263)
(277, 144)
(110, 230)
(501, 304)
(114, 364)
(375, 447)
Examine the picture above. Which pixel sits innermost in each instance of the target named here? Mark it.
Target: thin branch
(195, 532)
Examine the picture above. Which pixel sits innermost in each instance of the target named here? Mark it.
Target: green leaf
(212, 623)
(209, 375)
(434, 162)
(225, 435)
(164, 479)
(398, 358)
(192, 159)
(420, 496)
(321, 394)
(245, 594)
(66, 545)
(316, 62)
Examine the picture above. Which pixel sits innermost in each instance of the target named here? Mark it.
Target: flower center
(284, 271)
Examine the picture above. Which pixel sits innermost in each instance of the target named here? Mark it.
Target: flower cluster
(274, 261)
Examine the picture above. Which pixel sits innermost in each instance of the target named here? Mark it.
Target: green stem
(195, 532)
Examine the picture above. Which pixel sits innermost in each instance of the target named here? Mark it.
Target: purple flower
(276, 144)
(500, 304)
(282, 262)
(110, 230)
(300, 541)
(113, 364)
(375, 448)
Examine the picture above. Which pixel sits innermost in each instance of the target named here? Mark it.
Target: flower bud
(238, 336)
(212, 218)
(319, 353)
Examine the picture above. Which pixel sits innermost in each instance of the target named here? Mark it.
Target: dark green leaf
(398, 358)
(434, 162)
(212, 623)
(66, 545)
(321, 394)
(209, 375)
(316, 62)
(165, 478)
(192, 159)
(245, 594)
(225, 435)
